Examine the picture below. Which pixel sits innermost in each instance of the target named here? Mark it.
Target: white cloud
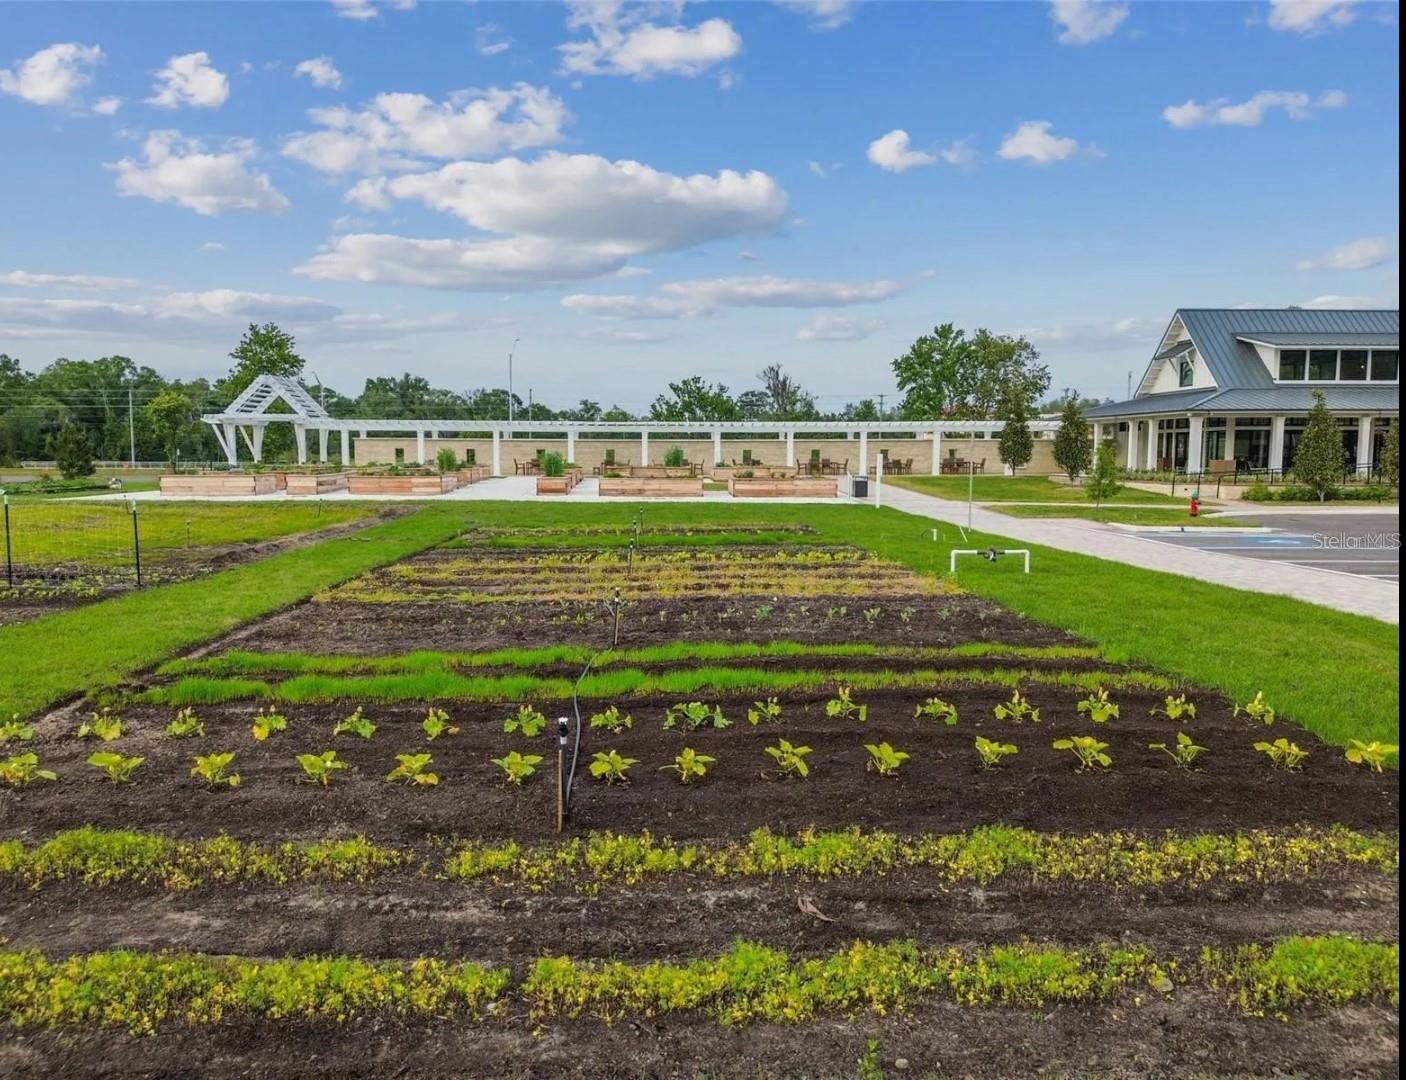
(1310, 17)
(1296, 104)
(633, 307)
(230, 306)
(1342, 303)
(838, 328)
(1361, 254)
(211, 245)
(52, 75)
(695, 299)
(822, 14)
(177, 169)
(26, 279)
(748, 256)
(960, 153)
(1032, 141)
(822, 170)
(625, 40)
(189, 80)
(894, 153)
(396, 131)
(322, 71)
(360, 10)
(107, 106)
(490, 40)
(1082, 22)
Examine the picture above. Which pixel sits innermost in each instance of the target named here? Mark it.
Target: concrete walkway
(1330, 588)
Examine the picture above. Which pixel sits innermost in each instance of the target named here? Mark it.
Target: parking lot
(1363, 543)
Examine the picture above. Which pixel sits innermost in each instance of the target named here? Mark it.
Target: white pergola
(248, 416)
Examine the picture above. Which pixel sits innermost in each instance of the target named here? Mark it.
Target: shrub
(1103, 480)
(553, 464)
(446, 459)
(674, 458)
(72, 449)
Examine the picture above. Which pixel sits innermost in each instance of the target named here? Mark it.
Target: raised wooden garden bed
(724, 473)
(817, 487)
(559, 485)
(472, 474)
(315, 483)
(436, 484)
(660, 472)
(188, 484)
(651, 487)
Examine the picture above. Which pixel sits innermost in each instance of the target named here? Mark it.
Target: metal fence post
(136, 544)
(9, 558)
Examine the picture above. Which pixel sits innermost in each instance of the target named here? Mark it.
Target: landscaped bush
(553, 464)
(1261, 492)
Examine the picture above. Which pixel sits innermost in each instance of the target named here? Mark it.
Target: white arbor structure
(248, 417)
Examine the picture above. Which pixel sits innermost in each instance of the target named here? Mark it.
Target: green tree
(72, 450)
(1073, 449)
(1390, 464)
(693, 399)
(1318, 461)
(785, 399)
(263, 350)
(930, 373)
(1103, 480)
(947, 374)
(1017, 445)
(170, 416)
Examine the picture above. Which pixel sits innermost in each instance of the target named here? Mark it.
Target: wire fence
(68, 546)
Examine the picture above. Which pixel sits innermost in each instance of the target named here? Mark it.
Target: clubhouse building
(1229, 389)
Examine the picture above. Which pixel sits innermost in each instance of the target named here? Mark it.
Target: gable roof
(1289, 341)
(266, 389)
(1340, 397)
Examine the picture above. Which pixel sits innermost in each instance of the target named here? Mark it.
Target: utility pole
(511, 351)
(529, 403)
(881, 406)
(131, 429)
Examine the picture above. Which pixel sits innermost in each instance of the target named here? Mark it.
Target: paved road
(1356, 543)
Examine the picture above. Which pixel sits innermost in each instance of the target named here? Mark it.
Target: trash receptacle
(859, 487)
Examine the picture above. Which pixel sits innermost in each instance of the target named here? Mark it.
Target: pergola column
(1276, 443)
(322, 445)
(644, 447)
(1364, 443)
(346, 447)
(717, 446)
(937, 452)
(300, 436)
(863, 452)
(420, 446)
(231, 443)
(790, 449)
(1195, 442)
(497, 454)
(571, 444)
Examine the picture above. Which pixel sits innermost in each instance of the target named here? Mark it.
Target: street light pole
(511, 351)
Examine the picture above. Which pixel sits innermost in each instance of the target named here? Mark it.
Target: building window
(1322, 364)
(1352, 364)
(1185, 374)
(1173, 440)
(1292, 363)
(1348, 426)
(1385, 364)
(1293, 432)
(1252, 442)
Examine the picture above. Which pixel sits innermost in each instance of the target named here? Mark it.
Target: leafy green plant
(102, 726)
(320, 768)
(21, 770)
(1183, 754)
(119, 769)
(768, 711)
(611, 720)
(517, 767)
(185, 725)
(1283, 754)
(936, 709)
(266, 722)
(789, 758)
(211, 768)
(843, 704)
(836, 612)
(355, 724)
(690, 765)
(1174, 708)
(872, 615)
(413, 769)
(1017, 709)
(1087, 749)
(884, 759)
(1372, 754)
(527, 721)
(692, 715)
(1099, 707)
(15, 729)
(906, 614)
(436, 723)
(553, 464)
(446, 459)
(762, 612)
(991, 751)
(1259, 709)
(611, 767)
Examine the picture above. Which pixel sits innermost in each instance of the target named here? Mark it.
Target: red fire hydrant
(1195, 508)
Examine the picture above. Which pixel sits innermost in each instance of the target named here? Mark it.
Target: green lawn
(1332, 672)
(989, 489)
(1124, 515)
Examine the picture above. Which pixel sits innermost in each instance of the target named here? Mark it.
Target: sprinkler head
(562, 728)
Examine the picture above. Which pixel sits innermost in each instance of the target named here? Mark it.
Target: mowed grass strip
(1122, 515)
(1032, 489)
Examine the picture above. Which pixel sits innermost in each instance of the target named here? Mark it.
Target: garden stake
(561, 772)
(9, 560)
(136, 544)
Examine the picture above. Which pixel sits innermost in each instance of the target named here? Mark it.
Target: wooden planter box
(315, 483)
(219, 484)
(817, 487)
(558, 485)
(724, 474)
(661, 472)
(651, 487)
(402, 485)
(472, 474)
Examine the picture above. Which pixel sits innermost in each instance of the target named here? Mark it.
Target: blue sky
(640, 193)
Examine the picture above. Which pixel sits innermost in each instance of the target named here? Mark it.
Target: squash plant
(992, 751)
(1087, 749)
(1283, 754)
(211, 768)
(611, 720)
(884, 759)
(355, 724)
(266, 722)
(21, 770)
(527, 721)
(119, 769)
(436, 723)
(320, 768)
(1372, 754)
(691, 715)
(1174, 708)
(935, 708)
(16, 729)
(689, 764)
(1099, 707)
(768, 711)
(611, 767)
(1017, 709)
(1183, 754)
(186, 725)
(517, 767)
(102, 726)
(844, 705)
(413, 769)
(789, 758)
(1259, 709)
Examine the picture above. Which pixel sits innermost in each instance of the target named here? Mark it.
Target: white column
(1364, 444)
(717, 446)
(791, 449)
(257, 447)
(420, 447)
(1276, 443)
(232, 443)
(1133, 426)
(322, 445)
(300, 435)
(571, 444)
(1151, 445)
(936, 452)
(863, 454)
(644, 447)
(497, 454)
(1195, 440)
(346, 447)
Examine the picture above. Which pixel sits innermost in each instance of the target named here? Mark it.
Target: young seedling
(884, 759)
(211, 768)
(1087, 749)
(611, 767)
(15, 729)
(1099, 708)
(119, 769)
(102, 726)
(436, 723)
(906, 615)
(517, 767)
(768, 711)
(991, 752)
(843, 704)
(1259, 709)
(790, 759)
(21, 770)
(186, 725)
(355, 724)
(266, 722)
(690, 765)
(872, 615)
(527, 720)
(937, 709)
(691, 715)
(1017, 709)
(1372, 754)
(1183, 754)
(413, 769)
(1174, 708)
(612, 720)
(1283, 754)
(319, 768)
